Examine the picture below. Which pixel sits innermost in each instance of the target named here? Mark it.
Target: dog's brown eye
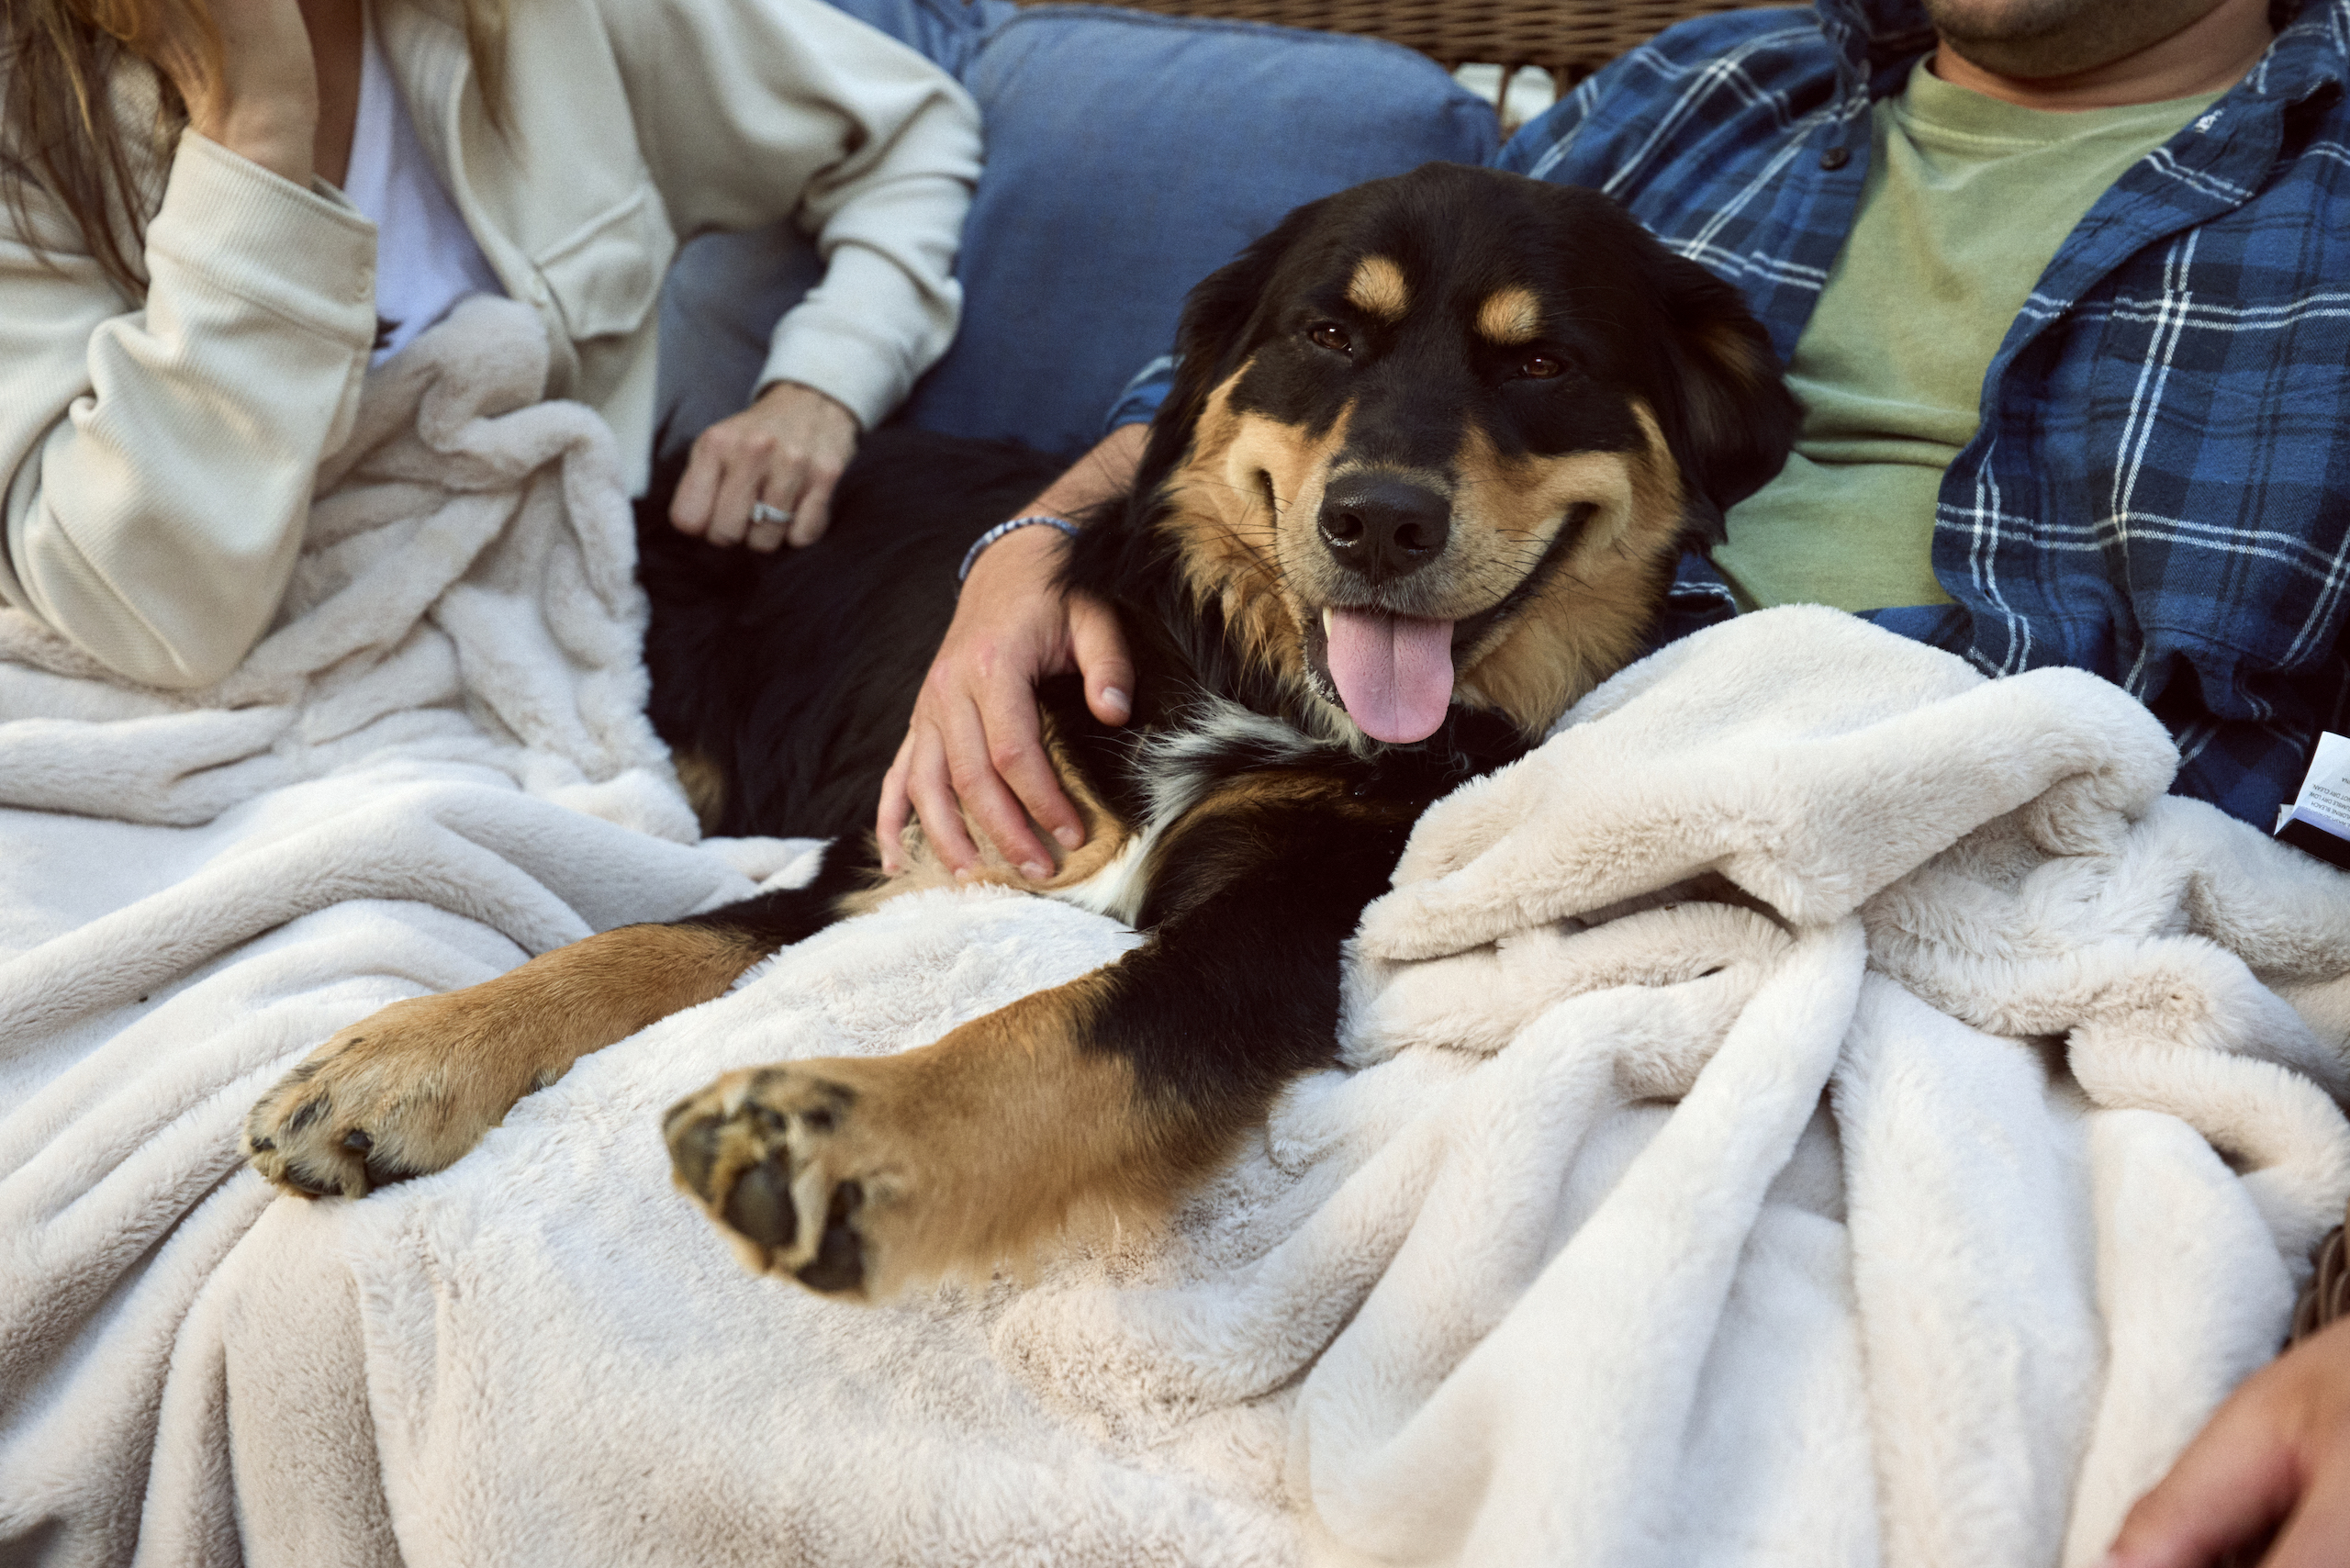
(1331, 336)
(1540, 367)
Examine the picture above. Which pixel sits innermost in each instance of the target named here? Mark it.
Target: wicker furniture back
(1570, 39)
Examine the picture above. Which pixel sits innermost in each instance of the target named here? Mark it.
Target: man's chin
(2049, 40)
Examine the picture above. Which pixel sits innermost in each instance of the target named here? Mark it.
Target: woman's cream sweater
(158, 460)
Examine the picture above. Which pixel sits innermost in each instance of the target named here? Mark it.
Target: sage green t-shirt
(1966, 200)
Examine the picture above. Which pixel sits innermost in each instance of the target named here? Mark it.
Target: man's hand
(975, 736)
(2277, 1452)
(786, 450)
(975, 743)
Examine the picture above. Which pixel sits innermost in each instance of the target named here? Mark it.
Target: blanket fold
(464, 592)
(434, 765)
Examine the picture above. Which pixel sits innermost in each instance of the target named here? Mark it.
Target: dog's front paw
(797, 1166)
(401, 1092)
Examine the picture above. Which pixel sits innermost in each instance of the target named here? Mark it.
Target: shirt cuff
(307, 255)
(1139, 403)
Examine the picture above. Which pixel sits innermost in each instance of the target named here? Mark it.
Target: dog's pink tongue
(1395, 673)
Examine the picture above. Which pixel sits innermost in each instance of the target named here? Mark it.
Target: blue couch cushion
(949, 31)
(1128, 156)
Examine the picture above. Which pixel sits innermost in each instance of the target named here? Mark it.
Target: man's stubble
(2037, 40)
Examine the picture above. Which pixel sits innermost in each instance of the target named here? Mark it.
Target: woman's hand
(2277, 1453)
(975, 743)
(786, 450)
(262, 101)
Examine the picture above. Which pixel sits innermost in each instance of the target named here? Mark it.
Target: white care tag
(2318, 818)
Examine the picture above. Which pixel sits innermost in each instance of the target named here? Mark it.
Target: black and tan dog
(1433, 449)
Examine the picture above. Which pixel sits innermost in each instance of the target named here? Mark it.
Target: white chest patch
(1117, 889)
(1182, 765)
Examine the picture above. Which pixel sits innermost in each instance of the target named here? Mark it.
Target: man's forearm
(1103, 475)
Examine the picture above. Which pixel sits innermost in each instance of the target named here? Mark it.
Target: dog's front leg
(409, 1088)
(1104, 1097)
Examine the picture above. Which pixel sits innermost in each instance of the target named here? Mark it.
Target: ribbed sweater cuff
(306, 255)
(863, 334)
(864, 374)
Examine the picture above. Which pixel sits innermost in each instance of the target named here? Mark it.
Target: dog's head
(1440, 438)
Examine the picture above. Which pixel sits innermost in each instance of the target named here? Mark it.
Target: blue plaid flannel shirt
(2160, 487)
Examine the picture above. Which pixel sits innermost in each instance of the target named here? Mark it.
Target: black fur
(795, 673)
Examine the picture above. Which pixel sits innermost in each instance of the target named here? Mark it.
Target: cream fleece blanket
(434, 765)
(1820, 1108)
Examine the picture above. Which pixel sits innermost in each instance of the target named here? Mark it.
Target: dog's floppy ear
(1213, 337)
(1727, 412)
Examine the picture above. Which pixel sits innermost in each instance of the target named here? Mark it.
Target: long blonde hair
(58, 130)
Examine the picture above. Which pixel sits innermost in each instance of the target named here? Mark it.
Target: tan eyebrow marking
(1510, 314)
(1378, 289)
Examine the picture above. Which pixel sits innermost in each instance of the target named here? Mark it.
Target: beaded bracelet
(972, 556)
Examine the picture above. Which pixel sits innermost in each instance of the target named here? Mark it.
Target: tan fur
(1716, 405)
(968, 1153)
(423, 1079)
(1510, 315)
(1378, 289)
(1736, 355)
(1246, 483)
(1592, 614)
(704, 783)
(1508, 501)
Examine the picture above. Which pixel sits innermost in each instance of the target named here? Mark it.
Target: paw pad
(759, 1157)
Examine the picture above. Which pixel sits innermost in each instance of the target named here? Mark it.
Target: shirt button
(1835, 158)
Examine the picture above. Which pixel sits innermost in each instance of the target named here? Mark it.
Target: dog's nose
(1384, 528)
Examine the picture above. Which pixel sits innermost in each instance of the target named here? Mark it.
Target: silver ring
(762, 513)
